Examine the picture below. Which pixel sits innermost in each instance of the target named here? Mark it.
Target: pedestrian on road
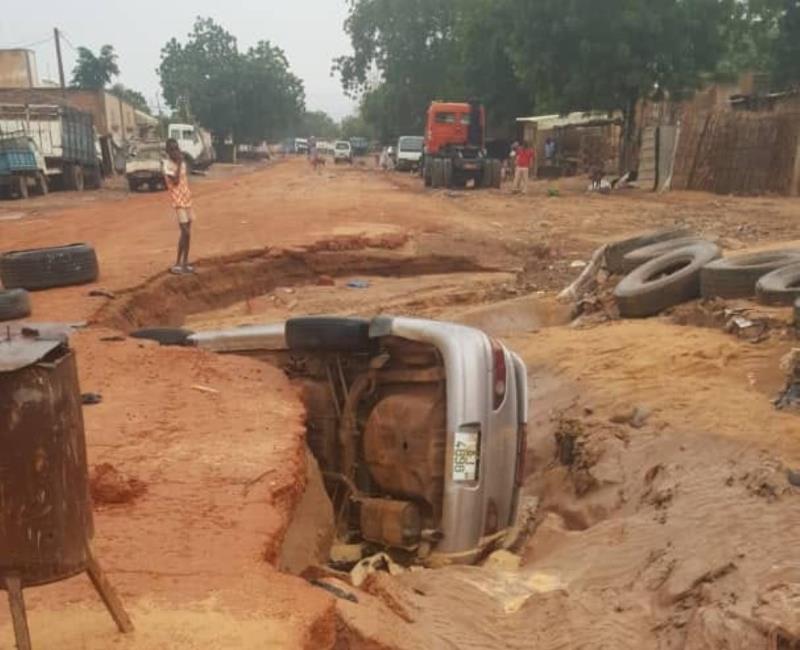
(176, 177)
(522, 165)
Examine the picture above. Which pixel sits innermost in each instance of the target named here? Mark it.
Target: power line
(69, 42)
(29, 45)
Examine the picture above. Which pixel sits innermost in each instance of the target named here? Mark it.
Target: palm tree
(94, 72)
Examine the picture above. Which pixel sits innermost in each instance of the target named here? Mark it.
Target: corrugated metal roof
(578, 118)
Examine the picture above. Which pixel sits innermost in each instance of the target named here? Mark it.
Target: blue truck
(42, 147)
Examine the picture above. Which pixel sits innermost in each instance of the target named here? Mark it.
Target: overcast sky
(309, 31)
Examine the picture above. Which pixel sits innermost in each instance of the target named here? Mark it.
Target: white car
(419, 426)
(342, 152)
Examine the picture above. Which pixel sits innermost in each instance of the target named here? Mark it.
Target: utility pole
(58, 55)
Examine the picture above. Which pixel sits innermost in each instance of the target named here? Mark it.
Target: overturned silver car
(418, 426)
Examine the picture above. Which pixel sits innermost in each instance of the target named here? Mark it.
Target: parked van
(342, 152)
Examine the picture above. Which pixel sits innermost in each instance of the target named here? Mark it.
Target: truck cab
(455, 153)
(195, 143)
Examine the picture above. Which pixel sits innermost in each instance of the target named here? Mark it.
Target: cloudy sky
(309, 31)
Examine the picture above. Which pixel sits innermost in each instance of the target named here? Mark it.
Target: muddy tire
(133, 185)
(43, 268)
(426, 173)
(639, 256)
(664, 282)
(781, 287)
(437, 173)
(328, 334)
(618, 250)
(447, 173)
(14, 303)
(164, 335)
(497, 174)
(736, 277)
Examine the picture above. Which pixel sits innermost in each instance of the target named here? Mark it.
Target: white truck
(45, 146)
(145, 168)
(409, 152)
(195, 143)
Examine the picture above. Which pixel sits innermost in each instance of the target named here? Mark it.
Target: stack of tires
(668, 267)
(42, 268)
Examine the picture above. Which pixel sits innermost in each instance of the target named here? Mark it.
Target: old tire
(639, 256)
(616, 251)
(328, 334)
(437, 173)
(14, 303)
(736, 277)
(781, 287)
(664, 282)
(42, 268)
(164, 335)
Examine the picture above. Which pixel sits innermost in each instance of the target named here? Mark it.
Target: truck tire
(781, 287)
(14, 303)
(93, 178)
(73, 178)
(487, 177)
(133, 185)
(42, 268)
(426, 173)
(437, 173)
(640, 256)
(42, 187)
(664, 282)
(736, 277)
(447, 173)
(497, 174)
(164, 335)
(616, 251)
(328, 334)
(21, 186)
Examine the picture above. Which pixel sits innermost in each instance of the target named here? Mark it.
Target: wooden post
(13, 586)
(794, 188)
(58, 56)
(109, 596)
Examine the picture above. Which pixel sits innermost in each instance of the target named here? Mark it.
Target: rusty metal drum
(45, 508)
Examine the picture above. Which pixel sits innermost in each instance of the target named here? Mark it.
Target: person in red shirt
(522, 166)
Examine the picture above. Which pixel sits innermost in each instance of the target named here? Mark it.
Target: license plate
(470, 166)
(465, 456)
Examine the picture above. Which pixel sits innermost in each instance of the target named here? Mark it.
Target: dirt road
(678, 532)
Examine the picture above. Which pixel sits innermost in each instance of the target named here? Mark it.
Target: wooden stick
(17, 605)
(109, 596)
(586, 279)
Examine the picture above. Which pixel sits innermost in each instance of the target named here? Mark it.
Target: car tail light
(522, 452)
(499, 374)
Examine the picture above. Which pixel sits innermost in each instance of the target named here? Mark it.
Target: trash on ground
(102, 293)
(205, 389)
(336, 591)
(374, 564)
(358, 284)
(89, 399)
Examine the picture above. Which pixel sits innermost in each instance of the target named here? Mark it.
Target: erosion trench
(663, 522)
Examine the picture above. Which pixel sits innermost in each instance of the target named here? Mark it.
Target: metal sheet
(19, 352)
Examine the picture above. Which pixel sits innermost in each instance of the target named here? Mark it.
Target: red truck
(455, 135)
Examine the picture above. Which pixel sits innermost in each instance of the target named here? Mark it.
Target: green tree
(133, 97)
(319, 124)
(749, 33)
(412, 44)
(355, 126)
(94, 72)
(249, 97)
(787, 46)
(608, 54)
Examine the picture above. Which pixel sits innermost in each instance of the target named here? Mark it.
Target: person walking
(522, 165)
(176, 177)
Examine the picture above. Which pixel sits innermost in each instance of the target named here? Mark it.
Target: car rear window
(411, 144)
(342, 145)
